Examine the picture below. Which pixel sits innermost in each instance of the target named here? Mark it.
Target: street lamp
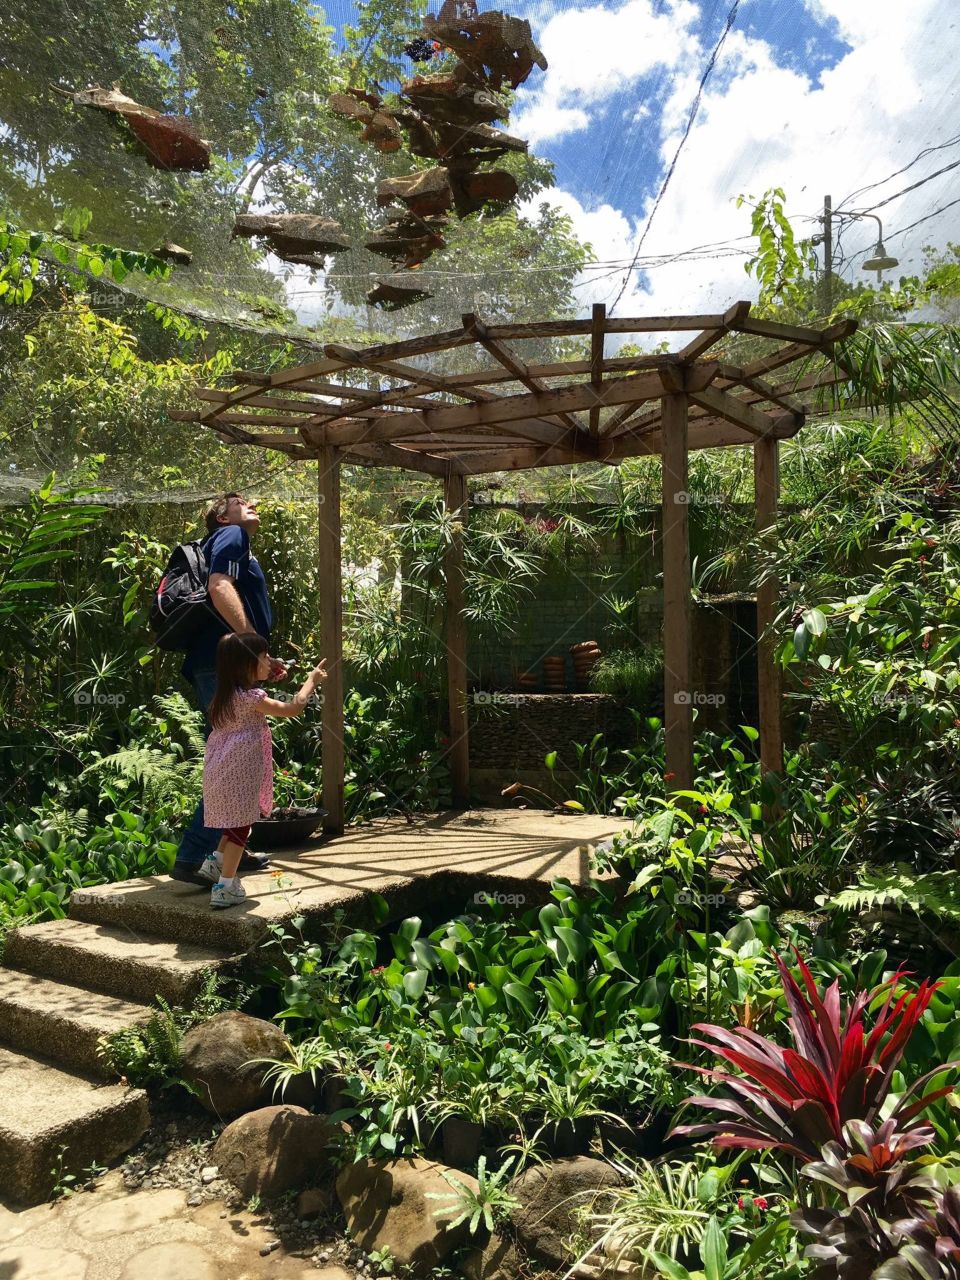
(881, 260)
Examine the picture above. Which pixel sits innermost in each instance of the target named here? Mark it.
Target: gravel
(176, 1152)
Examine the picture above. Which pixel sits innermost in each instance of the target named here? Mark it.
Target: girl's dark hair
(236, 669)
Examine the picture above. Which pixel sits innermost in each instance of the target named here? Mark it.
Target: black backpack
(180, 601)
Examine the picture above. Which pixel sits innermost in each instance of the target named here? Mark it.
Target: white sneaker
(209, 869)
(222, 896)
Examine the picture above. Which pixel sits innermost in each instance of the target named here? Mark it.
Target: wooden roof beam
(740, 414)
(731, 319)
(673, 377)
(597, 336)
(538, 404)
(481, 334)
(405, 459)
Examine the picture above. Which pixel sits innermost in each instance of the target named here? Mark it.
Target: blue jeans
(198, 840)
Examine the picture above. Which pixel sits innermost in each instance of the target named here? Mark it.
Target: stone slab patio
(430, 861)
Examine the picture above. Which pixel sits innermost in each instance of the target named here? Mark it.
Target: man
(239, 602)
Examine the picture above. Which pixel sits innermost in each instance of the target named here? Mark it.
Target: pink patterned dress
(238, 765)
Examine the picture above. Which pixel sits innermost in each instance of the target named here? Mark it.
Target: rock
(269, 1247)
(497, 1260)
(552, 1195)
(386, 1207)
(194, 1199)
(217, 1059)
(314, 1201)
(273, 1150)
(210, 1174)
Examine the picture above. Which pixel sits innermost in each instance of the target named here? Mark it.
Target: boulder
(273, 1150)
(497, 1260)
(552, 1196)
(217, 1060)
(385, 1204)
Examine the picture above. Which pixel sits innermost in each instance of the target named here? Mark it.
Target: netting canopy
(354, 172)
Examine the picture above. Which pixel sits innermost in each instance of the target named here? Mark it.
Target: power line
(913, 186)
(925, 217)
(731, 18)
(941, 146)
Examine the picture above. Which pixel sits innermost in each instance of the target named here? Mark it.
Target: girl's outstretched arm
(276, 707)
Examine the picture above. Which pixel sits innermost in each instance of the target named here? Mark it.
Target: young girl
(238, 764)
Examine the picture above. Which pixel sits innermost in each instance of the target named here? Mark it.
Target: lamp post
(880, 260)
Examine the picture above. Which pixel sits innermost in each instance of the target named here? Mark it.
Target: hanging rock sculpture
(392, 293)
(447, 117)
(167, 141)
(295, 237)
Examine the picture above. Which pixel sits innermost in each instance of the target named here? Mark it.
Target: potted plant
(469, 1112)
(295, 815)
(568, 1113)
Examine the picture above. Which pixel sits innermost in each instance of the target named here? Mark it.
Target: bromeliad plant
(799, 1098)
(892, 1219)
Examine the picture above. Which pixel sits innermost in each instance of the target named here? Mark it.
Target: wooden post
(455, 499)
(766, 480)
(331, 631)
(677, 693)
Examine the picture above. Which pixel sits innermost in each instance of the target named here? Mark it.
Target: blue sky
(815, 96)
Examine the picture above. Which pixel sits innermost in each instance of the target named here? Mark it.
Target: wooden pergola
(509, 414)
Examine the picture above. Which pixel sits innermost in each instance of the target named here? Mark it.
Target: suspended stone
(453, 142)
(474, 190)
(421, 139)
(408, 241)
(424, 193)
(392, 293)
(383, 131)
(454, 99)
(350, 107)
(170, 252)
(295, 237)
(495, 46)
(167, 141)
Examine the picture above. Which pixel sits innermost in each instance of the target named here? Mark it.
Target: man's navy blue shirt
(228, 551)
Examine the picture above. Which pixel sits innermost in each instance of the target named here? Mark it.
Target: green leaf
(667, 1266)
(415, 983)
(713, 1251)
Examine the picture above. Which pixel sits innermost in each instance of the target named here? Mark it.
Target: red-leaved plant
(798, 1099)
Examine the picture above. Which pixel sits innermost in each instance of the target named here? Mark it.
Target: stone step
(113, 959)
(162, 908)
(62, 1022)
(44, 1108)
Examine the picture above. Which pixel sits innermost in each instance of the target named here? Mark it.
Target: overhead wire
(940, 146)
(731, 18)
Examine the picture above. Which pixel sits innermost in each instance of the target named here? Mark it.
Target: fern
(149, 1053)
(190, 721)
(935, 893)
(162, 775)
(166, 772)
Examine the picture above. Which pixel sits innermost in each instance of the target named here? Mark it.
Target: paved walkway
(114, 1234)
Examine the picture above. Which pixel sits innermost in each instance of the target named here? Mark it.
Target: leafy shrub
(798, 1099)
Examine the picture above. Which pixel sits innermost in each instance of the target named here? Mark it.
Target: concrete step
(43, 1108)
(62, 1022)
(113, 959)
(162, 908)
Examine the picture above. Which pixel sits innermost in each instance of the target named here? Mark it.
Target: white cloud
(595, 52)
(762, 124)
